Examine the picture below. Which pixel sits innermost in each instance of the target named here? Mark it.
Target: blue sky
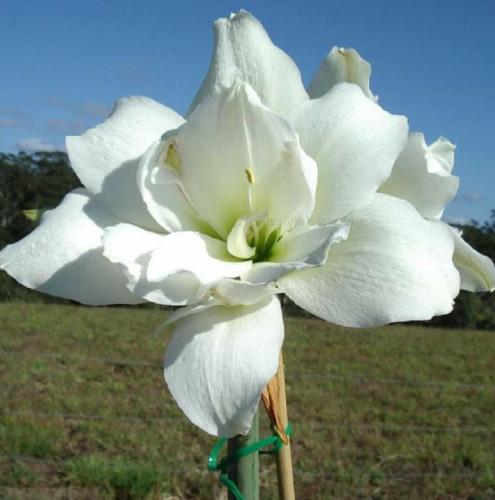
(63, 64)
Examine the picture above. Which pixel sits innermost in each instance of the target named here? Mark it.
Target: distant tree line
(40, 181)
(475, 310)
(29, 181)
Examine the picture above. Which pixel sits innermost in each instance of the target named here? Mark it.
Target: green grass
(354, 435)
(121, 477)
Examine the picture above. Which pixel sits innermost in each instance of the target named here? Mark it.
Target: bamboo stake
(284, 460)
(245, 471)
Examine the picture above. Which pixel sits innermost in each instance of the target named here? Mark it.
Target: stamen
(172, 157)
(250, 175)
(286, 155)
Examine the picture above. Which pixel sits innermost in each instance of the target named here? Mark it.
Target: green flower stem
(245, 471)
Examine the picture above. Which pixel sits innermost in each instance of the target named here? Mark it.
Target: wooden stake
(245, 472)
(284, 460)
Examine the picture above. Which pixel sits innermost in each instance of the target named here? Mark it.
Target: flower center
(253, 237)
(264, 242)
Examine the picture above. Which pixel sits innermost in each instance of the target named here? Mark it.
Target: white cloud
(67, 127)
(13, 112)
(85, 109)
(95, 110)
(11, 117)
(33, 144)
(6, 122)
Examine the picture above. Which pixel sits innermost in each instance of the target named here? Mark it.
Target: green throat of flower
(253, 237)
(264, 242)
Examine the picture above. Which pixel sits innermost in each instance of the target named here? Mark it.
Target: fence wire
(329, 425)
(61, 464)
(64, 358)
(328, 376)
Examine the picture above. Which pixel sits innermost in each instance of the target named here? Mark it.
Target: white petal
(237, 243)
(243, 50)
(477, 270)
(421, 175)
(269, 272)
(309, 244)
(131, 247)
(219, 361)
(305, 246)
(205, 257)
(232, 292)
(63, 255)
(341, 65)
(395, 266)
(227, 292)
(235, 157)
(173, 269)
(105, 158)
(355, 144)
(442, 151)
(163, 195)
(183, 312)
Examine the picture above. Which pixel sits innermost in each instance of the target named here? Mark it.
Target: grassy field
(396, 412)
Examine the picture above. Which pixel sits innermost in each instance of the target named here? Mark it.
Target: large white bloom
(263, 189)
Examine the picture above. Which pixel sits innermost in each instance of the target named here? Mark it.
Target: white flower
(262, 190)
(423, 176)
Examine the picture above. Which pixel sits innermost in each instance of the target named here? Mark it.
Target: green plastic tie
(215, 465)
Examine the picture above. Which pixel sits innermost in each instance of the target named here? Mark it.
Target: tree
(29, 181)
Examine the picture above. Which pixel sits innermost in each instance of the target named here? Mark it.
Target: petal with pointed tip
(477, 270)
(341, 65)
(243, 50)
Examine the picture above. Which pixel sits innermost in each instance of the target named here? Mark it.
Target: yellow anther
(172, 158)
(286, 154)
(250, 175)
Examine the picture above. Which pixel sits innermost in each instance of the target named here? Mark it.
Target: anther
(172, 157)
(250, 175)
